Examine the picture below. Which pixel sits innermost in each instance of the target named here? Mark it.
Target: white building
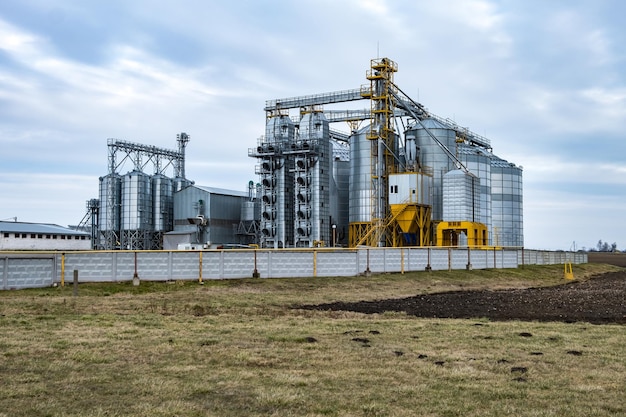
(40, 236)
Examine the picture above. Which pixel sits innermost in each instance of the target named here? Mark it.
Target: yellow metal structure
(413, 220)
(383, 139)
(448, 233)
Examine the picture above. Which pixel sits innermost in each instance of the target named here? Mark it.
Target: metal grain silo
(339, 191)
(109, 220)
(506, 203)
(311, 153)
(277, 179)
(136, 211)
(162, 203)
(431, 155)
(360, 187)
(478, 161)
(461, 196)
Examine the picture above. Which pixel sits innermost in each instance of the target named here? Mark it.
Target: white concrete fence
(40, 269)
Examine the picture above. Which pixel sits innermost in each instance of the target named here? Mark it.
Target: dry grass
(233, 348)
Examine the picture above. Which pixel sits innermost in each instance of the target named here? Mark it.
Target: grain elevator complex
(400, 176)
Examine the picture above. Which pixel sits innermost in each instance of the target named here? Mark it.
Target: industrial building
(41, 236)
(400, 176)
(415, 179)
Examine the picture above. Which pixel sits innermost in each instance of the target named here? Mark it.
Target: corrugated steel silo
(461, 196)
(360, 187)
(478, 161)
(136, 211)
(431, 155)
(162, 203)
(340, 191)
(507, 203)
(109, 220)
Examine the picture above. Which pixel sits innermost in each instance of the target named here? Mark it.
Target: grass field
(238, 348)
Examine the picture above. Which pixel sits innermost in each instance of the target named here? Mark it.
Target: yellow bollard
(568, 273)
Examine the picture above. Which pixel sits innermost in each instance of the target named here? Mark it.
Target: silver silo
(360, 185)
(339, 192)
(478, 161)
(277, 178)
(506, 203)
(136, 211)
(311, 153)
(109, 220)
(461, 196)
(431, 155)
(162, 203)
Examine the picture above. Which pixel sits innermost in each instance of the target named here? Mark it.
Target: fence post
(63, 269)
(469, 259)
(255, 273)
(136, 275)
(75, 288)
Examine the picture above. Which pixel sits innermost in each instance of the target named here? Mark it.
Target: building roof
(39, 228)
(221, 191)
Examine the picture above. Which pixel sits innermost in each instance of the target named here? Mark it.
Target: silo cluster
(135, 210)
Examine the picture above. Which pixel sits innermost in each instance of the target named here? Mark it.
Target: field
(277, 348)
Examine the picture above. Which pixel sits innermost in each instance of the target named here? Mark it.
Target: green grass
(233, 348)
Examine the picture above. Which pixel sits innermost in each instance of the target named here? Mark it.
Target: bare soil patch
(598, 300)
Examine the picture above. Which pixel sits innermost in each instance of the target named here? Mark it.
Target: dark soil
(599, 300)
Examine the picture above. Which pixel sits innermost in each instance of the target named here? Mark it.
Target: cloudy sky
(544, 80)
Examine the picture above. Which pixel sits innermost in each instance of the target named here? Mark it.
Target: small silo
(162, 203)
(506, 203)
(478, 161)
(109, 220)
(136, 211)
(461, 196)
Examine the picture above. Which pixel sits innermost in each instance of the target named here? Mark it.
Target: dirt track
(599, 300)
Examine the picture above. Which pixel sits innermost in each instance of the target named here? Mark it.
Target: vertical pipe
(449, 259)
(314, 263)
(402, 261)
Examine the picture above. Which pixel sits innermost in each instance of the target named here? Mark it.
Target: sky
(545, 81)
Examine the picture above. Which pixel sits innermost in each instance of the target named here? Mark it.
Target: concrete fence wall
(31, 270)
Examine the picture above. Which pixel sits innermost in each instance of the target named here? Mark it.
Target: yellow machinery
(470, 234)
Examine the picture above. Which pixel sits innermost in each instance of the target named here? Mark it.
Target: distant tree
(614, 247)
(599, 245)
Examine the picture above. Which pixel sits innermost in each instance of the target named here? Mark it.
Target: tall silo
(109, 221)
(360, 186)
(277, 179)
(136, 211)
(311, 153)
(162, 208)
(431, 155)
(339, 192)
(506, 203)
